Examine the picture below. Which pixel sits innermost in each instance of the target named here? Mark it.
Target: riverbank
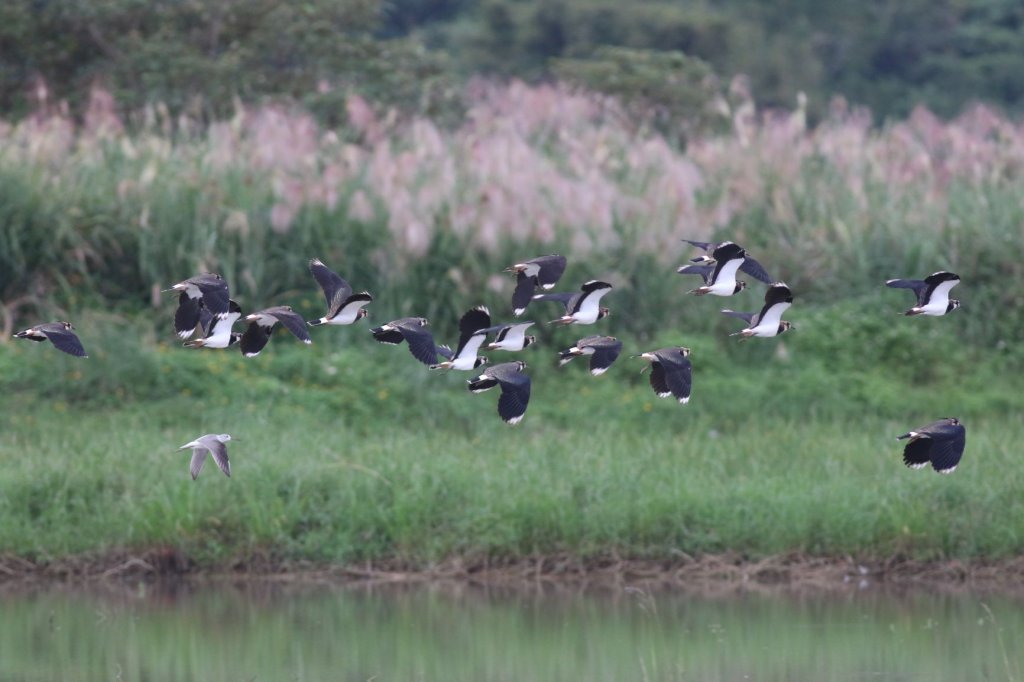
(707, 574)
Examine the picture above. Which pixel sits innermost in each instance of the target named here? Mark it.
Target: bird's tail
(565, 356)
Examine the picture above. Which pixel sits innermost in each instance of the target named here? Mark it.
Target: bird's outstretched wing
(336, 290)
(66, 341)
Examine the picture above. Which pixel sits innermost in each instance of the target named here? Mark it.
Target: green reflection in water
(214, 632)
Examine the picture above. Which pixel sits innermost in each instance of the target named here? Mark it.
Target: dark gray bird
(543, 272)
(720, 277)
(217, 328)
(768, 322)
(671, 372)
(472, 334)
(932, 293)
(581, 307)
(208, 291)
(515, 388)
(343, 307)
(216, 445)
(60, 334)
(412, 330)
(603, 350)
(749, 266)
(261, 326)
(941, 443)
(510, 336)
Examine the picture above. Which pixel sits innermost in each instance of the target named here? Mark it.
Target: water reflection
(450, 633)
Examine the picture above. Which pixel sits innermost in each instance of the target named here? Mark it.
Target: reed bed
(106, 211)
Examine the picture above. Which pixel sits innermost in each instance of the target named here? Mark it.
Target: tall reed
(104, 212)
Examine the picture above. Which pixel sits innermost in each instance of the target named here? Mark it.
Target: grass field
(380, 460)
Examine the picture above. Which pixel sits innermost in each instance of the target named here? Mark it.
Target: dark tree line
(414, 54)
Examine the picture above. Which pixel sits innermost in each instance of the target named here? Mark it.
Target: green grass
(354, 452)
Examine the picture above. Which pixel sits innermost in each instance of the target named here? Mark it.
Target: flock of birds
(205, 306)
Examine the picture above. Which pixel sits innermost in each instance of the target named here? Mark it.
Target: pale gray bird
(216, 445)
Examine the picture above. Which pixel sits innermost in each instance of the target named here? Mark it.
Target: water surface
(219, 631)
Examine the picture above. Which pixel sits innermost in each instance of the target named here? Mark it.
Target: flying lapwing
(209, 291)
(932, 293)
(343, 307)
(261, 326)
(511, 337)
(603, 350)
(581, 307)
(941, 443)
(720, 277)
(543, 272)
(217, 328)
(472, 334)
(60, 334)
(749, 266)
(515, 388)
(216, 445)
(414, 331)
(768, 322)
(671, 372)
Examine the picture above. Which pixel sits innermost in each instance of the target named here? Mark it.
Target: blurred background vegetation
(415, 54)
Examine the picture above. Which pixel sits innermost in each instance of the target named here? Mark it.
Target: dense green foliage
(194, 55)
(353, 452)
(199, 57)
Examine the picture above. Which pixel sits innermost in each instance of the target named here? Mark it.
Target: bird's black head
(603, 313)
(954, 303)
(529, 340)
